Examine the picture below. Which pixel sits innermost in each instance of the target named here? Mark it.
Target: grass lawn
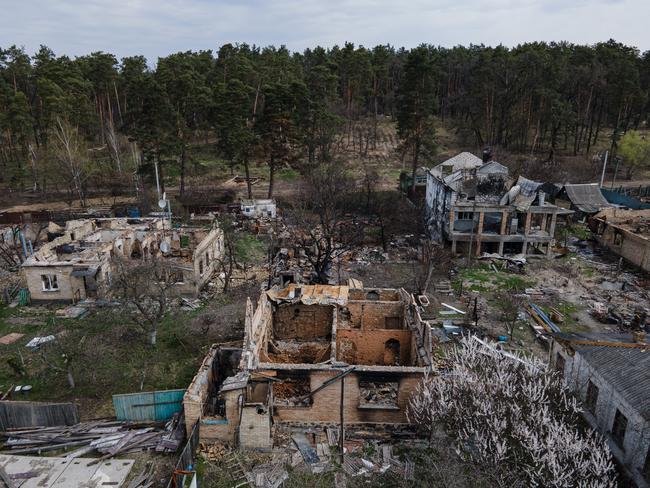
(109, 354)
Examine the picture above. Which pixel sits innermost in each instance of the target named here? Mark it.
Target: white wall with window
(50, 282)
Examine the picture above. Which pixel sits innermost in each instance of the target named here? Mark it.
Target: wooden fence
(16, 415)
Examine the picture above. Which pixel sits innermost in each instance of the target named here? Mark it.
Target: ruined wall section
(325, 406)
(439, 199)
(374, 347)
(302, 322)
(369, 315)
(631, 247)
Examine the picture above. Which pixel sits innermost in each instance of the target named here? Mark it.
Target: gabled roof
(492, 167)
(627, 370)
(464, 160)
(586, 197)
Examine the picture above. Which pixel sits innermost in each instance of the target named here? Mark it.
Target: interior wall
(369, 348)
(302, 322)
(372, 315)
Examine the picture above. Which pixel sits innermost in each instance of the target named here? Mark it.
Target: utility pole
(618, 160)
(155, 164)
(602, 176)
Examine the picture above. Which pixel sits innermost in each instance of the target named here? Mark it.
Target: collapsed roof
(586, 197)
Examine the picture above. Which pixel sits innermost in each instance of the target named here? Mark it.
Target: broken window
(393, 323)
(293, 389)
(378, 392)
(50, 282)
(618, 238)
(372, 295)
(592, 397)
(559, 365)
(619, 427)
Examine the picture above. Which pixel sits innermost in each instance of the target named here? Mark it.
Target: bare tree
(145, 288)
(509, 304)
(65, 352)
(433, 258)
(70, 153)
(317, 219)
(509, 413)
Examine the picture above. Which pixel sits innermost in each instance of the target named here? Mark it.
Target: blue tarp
(152, 405)
(625, 200)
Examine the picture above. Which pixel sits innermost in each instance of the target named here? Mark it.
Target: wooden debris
(106, 437)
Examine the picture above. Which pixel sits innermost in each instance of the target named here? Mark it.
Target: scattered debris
(37, 342)
(109, 438)
(10, 338)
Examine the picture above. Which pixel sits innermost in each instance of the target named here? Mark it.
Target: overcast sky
(160, 27)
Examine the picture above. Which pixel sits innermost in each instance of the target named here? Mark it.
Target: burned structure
(312, 353)
(624, 232)
(76, 263)
(480, 209)
(609, 373)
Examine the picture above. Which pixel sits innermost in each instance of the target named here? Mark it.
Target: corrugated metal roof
(627, 370)
(586, 197)
(311, 294)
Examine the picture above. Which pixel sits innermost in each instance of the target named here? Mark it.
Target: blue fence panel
(153, 405)
(626, 200)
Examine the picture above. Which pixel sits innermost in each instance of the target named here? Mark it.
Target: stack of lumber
(105, 437)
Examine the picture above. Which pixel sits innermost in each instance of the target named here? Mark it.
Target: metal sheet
(586, 197)
(154, 405)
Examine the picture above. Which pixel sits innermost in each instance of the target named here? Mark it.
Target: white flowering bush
(511, 413)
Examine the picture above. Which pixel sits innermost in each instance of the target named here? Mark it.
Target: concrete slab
(10, 338)
(57, 472)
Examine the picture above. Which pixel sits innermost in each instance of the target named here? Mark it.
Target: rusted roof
(310, 294)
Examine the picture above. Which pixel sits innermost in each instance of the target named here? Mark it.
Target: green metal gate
(153, 405)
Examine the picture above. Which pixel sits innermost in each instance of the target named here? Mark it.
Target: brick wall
(325, 406)
(302, 322)
(372, 315)
(369, 347)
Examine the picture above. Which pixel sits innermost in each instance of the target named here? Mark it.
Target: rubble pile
(290, 390)
(378, 393)
(108, 438)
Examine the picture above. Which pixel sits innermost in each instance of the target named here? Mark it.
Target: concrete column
(527, 224)
(524, 248)
(548, 250)
(453, 247)
(544, 219)
(501, 248)
(551, 230)
(451, 220)
(504, 223)
(481, 217)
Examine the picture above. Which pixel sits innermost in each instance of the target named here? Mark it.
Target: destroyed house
(309, 353)
(480, 209)
(610, 373)
(624, 232)
(76, 264)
